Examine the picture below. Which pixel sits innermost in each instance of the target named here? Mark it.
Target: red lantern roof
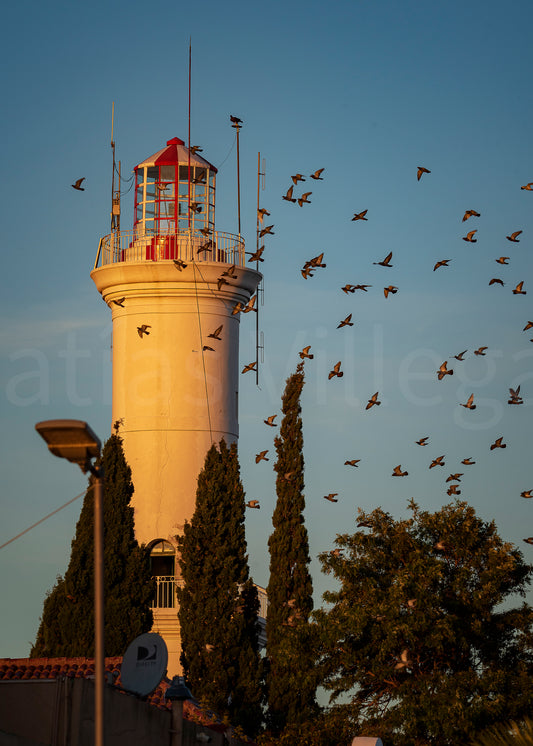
(176, 152)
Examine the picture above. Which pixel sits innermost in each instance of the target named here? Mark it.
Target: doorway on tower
(163, 566)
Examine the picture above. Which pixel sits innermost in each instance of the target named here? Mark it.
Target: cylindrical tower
(173, 284)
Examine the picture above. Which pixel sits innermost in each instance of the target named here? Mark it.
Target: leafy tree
(67, 623)
(290, 676)
(421, 635)
(218, 603)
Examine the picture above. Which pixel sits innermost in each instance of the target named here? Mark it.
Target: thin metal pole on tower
(189, 148)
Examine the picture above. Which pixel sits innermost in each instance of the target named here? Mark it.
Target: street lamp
(75, 441)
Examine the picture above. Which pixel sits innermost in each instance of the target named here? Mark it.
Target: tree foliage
(218, 603)
(67, 623)
(290, 676)
(421, 635)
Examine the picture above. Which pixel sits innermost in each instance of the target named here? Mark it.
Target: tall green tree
(422, 636)
(218, 603)
(67, 623)
(290, 676)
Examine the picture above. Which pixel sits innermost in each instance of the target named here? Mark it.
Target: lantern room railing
(165, 594)
(131, 246)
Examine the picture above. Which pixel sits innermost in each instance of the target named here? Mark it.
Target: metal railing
(132, 246)
(165, 594)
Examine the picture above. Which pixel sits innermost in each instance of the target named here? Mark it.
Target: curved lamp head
(70, 439)
(177, 690)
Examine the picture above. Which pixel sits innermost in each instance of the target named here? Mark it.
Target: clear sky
(367, 91)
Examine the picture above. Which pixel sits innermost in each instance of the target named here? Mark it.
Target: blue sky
(368, 91)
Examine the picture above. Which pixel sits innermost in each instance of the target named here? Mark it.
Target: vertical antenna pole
(113, 174)
(257, 267)
(238, 180)
(189, 156)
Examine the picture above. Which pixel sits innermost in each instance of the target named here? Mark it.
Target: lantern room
(174, 192)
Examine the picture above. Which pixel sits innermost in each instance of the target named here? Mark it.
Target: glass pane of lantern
(167, 173)
(152, 173)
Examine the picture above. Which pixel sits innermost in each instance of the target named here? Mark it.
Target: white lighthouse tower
(172, 284)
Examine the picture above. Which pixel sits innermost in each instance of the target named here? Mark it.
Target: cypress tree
(67, 622)
(218, 603)
(290, 683)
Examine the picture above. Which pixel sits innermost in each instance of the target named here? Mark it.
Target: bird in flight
(468, 461)
(529, 540)
(336, 371)
(288, 197)
(441, 263)
(119, 302)
(470, 214)
(360, 215)
(253, 504)
(480, 351)
(261, 213)
(250, 366)
(179, 264)
(307, 271)
(303, 199)
(352, 462)
(270, 420)
(385, 262)
(261, 456)
(361, 287)
(207, 348)
(529, 325)
(397, 471)
(296, 178)
(196, 149)
(195, 207)
(514, 396)
(221, 281)
(77, 184)
(389, 289)
(250, 305)
(528, 187)
(518, 289)
(437, 462)
(421, 170)
(348, 288)
(264, 231)
(346, 322)
(305, 353)
(470, 403)
(257, 255)
(443, 371)
(373, 400)
(205, 231)
(453, 489)
(317, 173)
(514, 237)
(496, 281)
(229, 273)
(502, 260)
(143, 330)
(317, 261)
(332, 497)
(498, 443)
(526, 493)
(461, 355)
(423, 441)
(216, 333)
(454, 478)
(470, 237)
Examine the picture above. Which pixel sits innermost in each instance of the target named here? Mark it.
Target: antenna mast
(115, 193)
(259, 341)
(189, 149)
(236, 124)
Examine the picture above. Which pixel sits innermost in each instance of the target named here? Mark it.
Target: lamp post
(177, 692)
(75, 441)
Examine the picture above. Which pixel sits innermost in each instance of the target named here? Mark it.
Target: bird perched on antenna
(78, 186)
(235, 121)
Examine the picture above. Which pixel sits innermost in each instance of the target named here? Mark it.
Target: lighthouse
(174, 285)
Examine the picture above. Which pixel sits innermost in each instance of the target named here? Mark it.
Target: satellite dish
(144, 664)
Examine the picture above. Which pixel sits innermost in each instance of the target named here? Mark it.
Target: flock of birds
(311, 266)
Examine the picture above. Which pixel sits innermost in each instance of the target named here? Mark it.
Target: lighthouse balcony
(165, 597)
(189, 246)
